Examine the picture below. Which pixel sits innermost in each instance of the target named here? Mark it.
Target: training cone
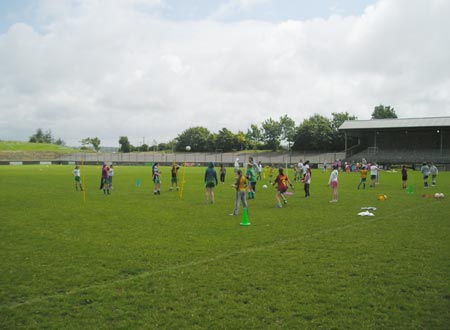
(410, 190)
(245, 218)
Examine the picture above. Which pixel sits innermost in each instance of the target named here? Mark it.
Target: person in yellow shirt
(363, 173)
(240, 186)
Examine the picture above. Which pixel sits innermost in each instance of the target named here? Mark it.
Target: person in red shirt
(282, 182)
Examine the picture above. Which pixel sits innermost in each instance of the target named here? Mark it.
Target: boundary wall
(192, 159)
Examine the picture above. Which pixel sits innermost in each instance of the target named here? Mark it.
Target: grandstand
(399, 141)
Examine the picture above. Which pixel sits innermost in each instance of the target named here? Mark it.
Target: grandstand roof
(430, 122)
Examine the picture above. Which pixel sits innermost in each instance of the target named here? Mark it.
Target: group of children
(105, 180)
(373, 175)
(245, 185)
(107, 177)
(426, 171)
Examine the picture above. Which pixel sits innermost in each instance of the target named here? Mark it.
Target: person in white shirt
(373, 174)
(77, 176)
(425, 170)
(333, 183)
(236, 165)
(300, 169)
(111, 174)
(434, 172)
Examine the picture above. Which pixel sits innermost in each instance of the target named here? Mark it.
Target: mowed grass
(132, 260)
(34, 147)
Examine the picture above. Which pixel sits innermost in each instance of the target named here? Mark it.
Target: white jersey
(333, 176)
(374, 170)
(433, 170)
(236, 164)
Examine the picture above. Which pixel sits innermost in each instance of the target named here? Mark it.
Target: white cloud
(232, 7)
(109, 69)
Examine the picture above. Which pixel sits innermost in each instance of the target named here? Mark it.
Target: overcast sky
(150, 69)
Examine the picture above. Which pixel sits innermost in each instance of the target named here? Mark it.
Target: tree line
(316, 133)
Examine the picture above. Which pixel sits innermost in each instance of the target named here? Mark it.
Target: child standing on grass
(434, 172)
(156, 177)
(236, 165)
(404, 177)
(210, 182)
(425, 170)
(282, 182)
(174, 179)
(223, 172)
(270, 174)
(251, 177)
(259, 170)
(333, 183)
(240, 185)
(77, 176)
(110, 177)
(373, 175)
(306, 181)
(363, 173)
(105, 179)
(296, 173)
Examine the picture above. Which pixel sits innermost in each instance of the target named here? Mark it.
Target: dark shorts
(373, 177)
(404, 178)
(210, 185)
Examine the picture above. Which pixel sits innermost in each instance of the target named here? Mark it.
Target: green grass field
(132, 260)
(34, 147)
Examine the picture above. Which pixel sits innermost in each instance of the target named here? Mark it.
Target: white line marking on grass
(200, 262)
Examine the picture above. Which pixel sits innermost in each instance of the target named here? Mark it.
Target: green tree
(226, 140)
(195, 137)
(338, 137)
(315, 133)
(254, 136)
(288, 130)
(125, 145)
(41, 137)
(94, 142)
(382, 112)
(144, 147)
(272, 131)
(60, 142)
(242, 142)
